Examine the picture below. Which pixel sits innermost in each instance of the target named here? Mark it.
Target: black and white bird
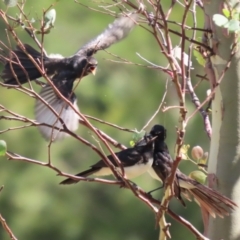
(20, 68)
(212, 201)
(135, 161)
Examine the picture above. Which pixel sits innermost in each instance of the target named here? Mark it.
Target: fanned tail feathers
(214, 202)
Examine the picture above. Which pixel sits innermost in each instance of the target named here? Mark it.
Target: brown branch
(158, 109)
(7, 228)
(187, 224)
(138, 192)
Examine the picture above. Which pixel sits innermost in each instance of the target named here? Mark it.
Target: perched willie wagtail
(135, 161)
(63, 71)
(211, 200)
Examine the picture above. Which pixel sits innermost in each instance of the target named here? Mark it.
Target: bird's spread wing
(115, 32)
(44, 114)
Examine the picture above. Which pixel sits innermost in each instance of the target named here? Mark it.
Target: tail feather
(214, 202)
(32, 51)
(177, 192)
(212, 205)
(186, 194)
(25, 63)
(82, 174)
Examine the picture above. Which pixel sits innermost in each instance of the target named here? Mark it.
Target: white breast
(153, 174)
(138, 169)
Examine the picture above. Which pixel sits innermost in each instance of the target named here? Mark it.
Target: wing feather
(115, 32)
(45, 115)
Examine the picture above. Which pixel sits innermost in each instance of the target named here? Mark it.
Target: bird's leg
(155, 189)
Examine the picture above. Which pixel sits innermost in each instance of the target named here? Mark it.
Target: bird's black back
(162, 161)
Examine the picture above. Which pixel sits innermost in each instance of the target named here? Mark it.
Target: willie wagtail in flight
(63, 71)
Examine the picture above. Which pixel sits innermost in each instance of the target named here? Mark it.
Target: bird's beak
(93, 71)
(153, 138)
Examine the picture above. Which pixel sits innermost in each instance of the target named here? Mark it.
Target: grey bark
(224, 158)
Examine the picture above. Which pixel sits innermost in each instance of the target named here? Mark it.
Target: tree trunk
(224, 160)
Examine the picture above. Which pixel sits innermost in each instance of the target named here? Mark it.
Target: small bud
(205, 156)
(197, 153)
(208, 92)
(132, 143)
(3, 147)
(198, 176)
(204, 159)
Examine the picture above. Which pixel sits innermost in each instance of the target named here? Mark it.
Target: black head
(83, 65)
(158, 131)
(91, 65)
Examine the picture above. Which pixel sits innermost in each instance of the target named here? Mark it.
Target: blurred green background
(33, 203)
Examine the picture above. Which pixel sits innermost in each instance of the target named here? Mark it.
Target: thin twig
(158, 109)
(7, 228)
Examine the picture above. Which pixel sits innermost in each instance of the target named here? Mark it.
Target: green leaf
(226, 12)
(136, 137)
(177, 53)
(198, 176)
(10, 3)
(220, 20)
(235, 16)
(3, 147)
(233, 25)
(49, 19)
(199, 57)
